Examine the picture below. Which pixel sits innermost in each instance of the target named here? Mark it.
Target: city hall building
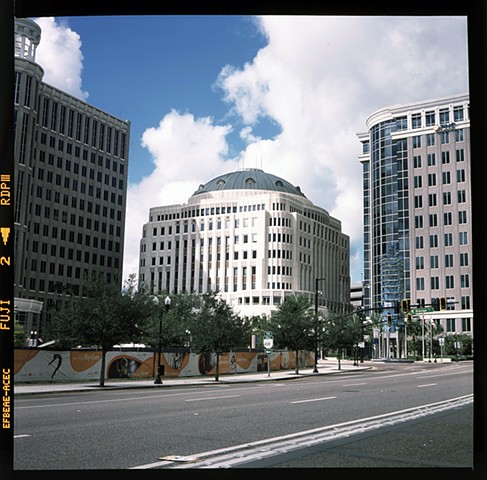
(251, 236)
(70, 166)
(418, 211)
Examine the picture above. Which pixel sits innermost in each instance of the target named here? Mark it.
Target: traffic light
(410, 318)
(389, 319)
(442, 303)
(435, 303)
(405, 306)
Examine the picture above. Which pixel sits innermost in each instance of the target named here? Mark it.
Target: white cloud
(186, 152)
(319, 78)
(59, 54)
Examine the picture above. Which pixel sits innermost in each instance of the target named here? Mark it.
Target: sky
(207, 95)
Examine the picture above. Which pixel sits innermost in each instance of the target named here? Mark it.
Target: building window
(430, 118)
(416, 120)
(434, 261)
(458, 114)
(430, 139)
(444, 116)
(401, 123)
(450, 324)
(448, 239)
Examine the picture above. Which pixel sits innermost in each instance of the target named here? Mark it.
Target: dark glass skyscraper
(417, 210)
(71, 165)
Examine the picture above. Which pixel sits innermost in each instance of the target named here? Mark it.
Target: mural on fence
(36, 365)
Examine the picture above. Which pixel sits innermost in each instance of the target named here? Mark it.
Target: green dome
(249, 179)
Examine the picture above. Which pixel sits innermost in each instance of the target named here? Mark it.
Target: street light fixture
(160, 368)
(317, 292)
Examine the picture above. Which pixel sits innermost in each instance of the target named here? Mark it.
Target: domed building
(251, 236)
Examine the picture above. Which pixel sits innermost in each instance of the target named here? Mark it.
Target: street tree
(177, 321)
(104, 316)
(216, 328)
(340, 331)
(293, 325)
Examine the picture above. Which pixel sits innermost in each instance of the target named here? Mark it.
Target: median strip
(247, 452)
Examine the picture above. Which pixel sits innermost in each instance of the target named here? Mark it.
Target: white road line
(353, 384)
(145, 397)
(20, 436)
(210, 398)
(313, 400)
(231, 456)
(427, 385)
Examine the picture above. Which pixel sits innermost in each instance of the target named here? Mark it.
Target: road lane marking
(313, 400)
(21, 436)
(427, 385)
(353, 384)
(240, 454)
(162, 396)
(210, 398)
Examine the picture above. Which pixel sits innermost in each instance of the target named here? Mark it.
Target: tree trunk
(296, 363)
(102, 371)
(217, 370)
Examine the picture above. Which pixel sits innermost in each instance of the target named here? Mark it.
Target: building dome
(249, 179)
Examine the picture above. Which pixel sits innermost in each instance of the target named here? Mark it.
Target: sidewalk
(325, 367)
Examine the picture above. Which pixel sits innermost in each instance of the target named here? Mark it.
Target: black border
(475, 10)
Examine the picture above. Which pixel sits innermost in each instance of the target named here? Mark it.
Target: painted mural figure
(57, 357)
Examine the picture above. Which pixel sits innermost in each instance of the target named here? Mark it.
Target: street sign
(415, 311)
(268, 340)
(268, 351)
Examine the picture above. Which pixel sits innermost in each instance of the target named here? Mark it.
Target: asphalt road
(151, 428)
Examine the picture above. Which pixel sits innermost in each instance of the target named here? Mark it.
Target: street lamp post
(167, 304)
(317, 280)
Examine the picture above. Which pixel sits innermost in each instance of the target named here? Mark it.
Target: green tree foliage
(293, 325)
(341, 332)
(103, 317)
(19, 334)
(216, 328)
(258, 324)
(176, 322)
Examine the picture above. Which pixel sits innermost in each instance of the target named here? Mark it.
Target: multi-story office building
(253, 237)
(417, 209)
(71, 163)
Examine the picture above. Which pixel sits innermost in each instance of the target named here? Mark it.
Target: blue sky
(138, 68)
(208, 94)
